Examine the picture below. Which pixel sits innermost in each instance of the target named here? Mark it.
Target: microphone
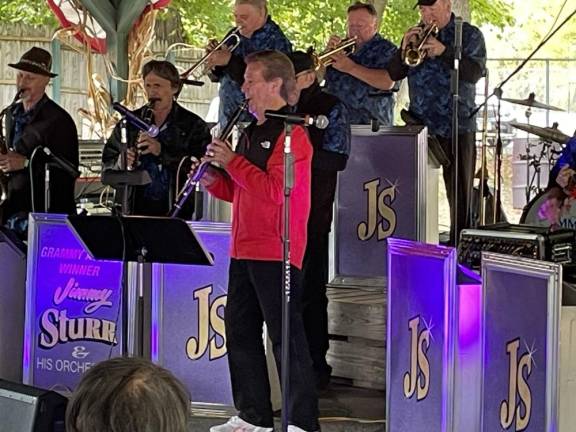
(458, 38)
(61, 162)
(320, 121)
(133, 119)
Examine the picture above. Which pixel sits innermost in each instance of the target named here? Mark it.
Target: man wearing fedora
(34, 120)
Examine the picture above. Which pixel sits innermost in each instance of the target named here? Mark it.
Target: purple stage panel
(73, 302)
(468, 354)
(520, 322)
(420, 343)
(381, 194)
(188, 319)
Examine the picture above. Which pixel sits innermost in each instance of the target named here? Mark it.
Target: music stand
(124, 179)
(138, 239)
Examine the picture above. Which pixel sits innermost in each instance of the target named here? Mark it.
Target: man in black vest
(331, 150)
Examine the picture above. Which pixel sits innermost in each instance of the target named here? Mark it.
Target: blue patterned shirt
(231, 77)
(429, 83)
(364, 101)
(337, 137)
(568, 157)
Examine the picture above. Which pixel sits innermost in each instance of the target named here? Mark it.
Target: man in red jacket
(253, 181)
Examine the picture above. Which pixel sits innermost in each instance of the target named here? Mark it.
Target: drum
(530, 213)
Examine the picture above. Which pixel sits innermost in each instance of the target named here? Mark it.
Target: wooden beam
(116, 18)
(117, 45)
(103, 12)
(128, 12)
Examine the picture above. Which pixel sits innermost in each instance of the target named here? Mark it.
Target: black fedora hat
(35, 60)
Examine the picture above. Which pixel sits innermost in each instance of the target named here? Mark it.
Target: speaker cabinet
(30, 409)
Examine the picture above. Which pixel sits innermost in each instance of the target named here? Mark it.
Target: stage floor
(342, 408)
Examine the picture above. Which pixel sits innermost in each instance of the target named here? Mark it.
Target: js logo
(379, 213)
(520, 409)
(208, 319)
(417, 379)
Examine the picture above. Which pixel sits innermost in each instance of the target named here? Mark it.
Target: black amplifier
(520, 240)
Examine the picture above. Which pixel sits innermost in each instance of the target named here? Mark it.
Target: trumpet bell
(414, 53)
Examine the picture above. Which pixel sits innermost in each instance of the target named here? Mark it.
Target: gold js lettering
(210, 327)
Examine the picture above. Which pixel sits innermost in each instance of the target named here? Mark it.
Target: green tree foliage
(34, 12)
(306, 23)
(312, 22)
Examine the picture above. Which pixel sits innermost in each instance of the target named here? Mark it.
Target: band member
(331, 150)
(431, 97)
(182, 133)
(561, 190)
(36, 121)
(361, 80)
(253, 182)
(257, 32)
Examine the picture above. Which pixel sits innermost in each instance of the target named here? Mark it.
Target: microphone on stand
(136, 121)
(61, 162)
(458, 38)
(320, 121)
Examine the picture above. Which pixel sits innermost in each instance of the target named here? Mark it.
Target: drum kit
(551, 143)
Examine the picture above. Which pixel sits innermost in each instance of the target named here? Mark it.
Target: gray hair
(276, 65)
(127, 395)
(258, 4)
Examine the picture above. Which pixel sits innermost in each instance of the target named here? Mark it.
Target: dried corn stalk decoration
(98, 111)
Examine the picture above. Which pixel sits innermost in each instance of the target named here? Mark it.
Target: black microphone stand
(455, 125)
(498, 93)
(286, 292)
(125, 209)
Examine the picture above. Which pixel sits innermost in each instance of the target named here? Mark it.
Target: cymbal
(547, 133)
(532, 102)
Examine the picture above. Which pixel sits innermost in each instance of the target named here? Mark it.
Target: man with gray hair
(253, 181)
(128, 395)
(257, 32)
(430, 91)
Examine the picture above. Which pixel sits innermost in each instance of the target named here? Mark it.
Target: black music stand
(125, 180)
(140, 239)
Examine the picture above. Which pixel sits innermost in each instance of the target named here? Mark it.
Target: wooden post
(116, 18)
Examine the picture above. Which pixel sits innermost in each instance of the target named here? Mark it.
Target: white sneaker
(236, 424)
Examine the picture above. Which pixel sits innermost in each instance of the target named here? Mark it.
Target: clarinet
(200, 170)
(147, 115)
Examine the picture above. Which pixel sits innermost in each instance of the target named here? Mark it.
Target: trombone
(323, 60)
(198, 69)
